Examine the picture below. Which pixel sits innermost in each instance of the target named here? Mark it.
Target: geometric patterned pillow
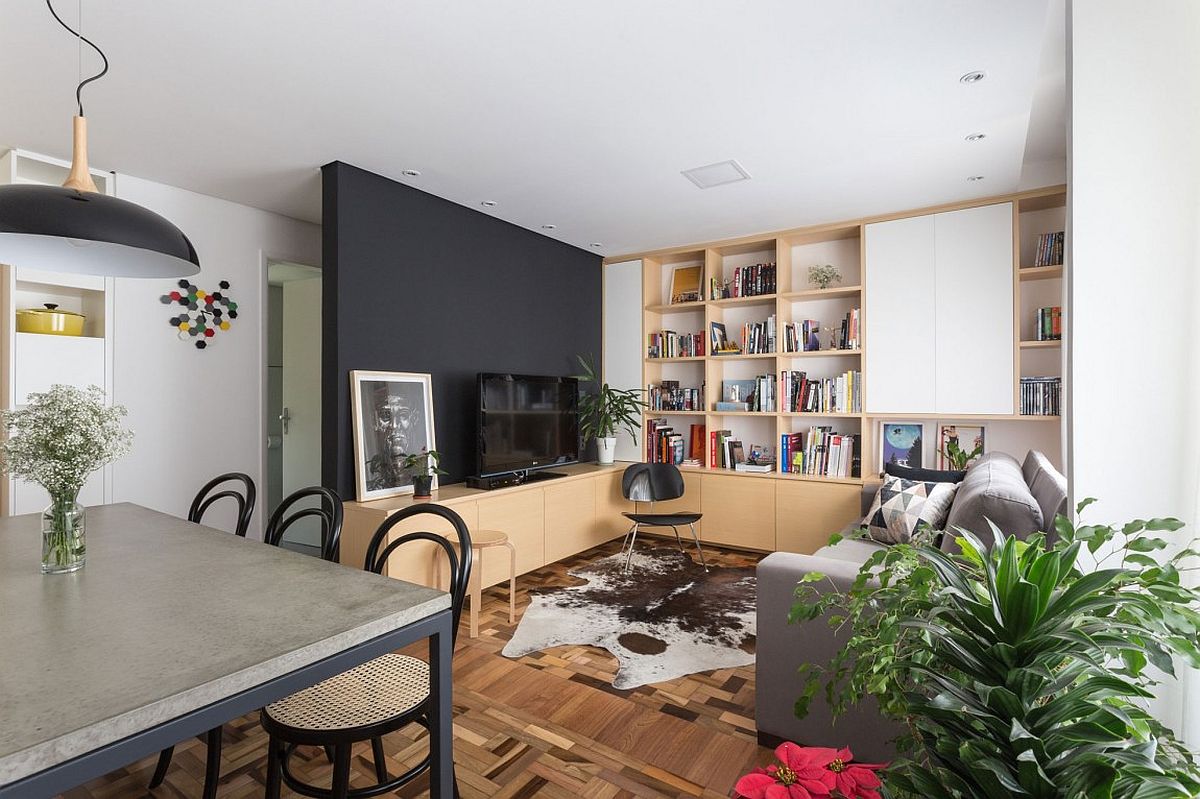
(902, 507)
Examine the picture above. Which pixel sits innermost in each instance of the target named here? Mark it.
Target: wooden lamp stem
(80, 178)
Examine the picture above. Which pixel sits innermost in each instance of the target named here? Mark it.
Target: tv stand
(510, 479)
(534, 477)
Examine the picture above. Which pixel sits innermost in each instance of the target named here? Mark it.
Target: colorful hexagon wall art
(202, 314)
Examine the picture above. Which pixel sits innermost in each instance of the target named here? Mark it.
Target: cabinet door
(423, 562)
(739, 511)
(973, 356)
(898, 368)
(806, 514)
(610, 504)
(570, 518)
(520, 514)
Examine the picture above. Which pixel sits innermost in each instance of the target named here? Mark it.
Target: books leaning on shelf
(664, 444)
(1049, 323)
(841, 394)
(756, 394)
(669, 344)
(668, 396)
(758, 338)
(747, 281)
(805, 335)
(1041, 396)
(1049, 249)
(820, 452)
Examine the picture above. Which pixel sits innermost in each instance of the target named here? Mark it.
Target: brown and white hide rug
(664, 619)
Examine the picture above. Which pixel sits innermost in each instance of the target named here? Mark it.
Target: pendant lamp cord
(90, 43)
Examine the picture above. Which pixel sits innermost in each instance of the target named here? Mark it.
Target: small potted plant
(822, 276)
(423, 466)
(603, 413)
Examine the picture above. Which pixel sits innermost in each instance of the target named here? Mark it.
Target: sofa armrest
(782, 648)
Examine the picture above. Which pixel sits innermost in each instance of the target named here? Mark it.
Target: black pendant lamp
(74, 228)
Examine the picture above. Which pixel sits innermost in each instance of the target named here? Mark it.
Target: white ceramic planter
(606, 450)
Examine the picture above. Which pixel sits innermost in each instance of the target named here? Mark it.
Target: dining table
(172, 628)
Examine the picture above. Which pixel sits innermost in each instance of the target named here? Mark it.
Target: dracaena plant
(606, 410)
(1018, 671)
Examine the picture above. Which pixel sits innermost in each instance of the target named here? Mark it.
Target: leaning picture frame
(392, 417)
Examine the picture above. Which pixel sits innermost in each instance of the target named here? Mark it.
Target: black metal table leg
(441, 766)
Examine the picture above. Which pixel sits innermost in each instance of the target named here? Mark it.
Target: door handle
(285, 417)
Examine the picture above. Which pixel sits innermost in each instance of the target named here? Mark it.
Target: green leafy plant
(822, 276)
(1018, 672)
(956, 457)
(425, 463)
(603, 412)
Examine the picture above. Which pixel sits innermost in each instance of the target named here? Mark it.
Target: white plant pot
(606, 450)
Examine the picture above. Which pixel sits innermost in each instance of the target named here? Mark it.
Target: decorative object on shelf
(205, 312)
(953, 443)
(823, 276)
(685, 284)
(392, 416)
(902, 443)
(665, 618)
(721, 345)
(50, 320)
(804, 772)
(983, 630)
(59, 438)
(604, 413)
(423, 466)
(74, 228)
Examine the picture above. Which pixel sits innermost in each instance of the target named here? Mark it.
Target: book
(1049, 250)
(759, 468)
(669, 344)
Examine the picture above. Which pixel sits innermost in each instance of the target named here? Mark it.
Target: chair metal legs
(699, 549)
(631, 538)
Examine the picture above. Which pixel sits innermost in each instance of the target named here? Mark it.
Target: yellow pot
(50, 320)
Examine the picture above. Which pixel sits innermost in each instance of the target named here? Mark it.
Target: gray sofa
(1018, 498)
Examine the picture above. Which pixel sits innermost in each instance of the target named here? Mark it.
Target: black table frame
(438, 628)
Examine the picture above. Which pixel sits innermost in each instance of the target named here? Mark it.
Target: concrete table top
(166, 617)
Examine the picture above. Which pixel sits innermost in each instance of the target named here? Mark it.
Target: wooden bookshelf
(1040, 272)
(1041, 345)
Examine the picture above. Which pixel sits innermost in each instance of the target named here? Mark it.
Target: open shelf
(959, 417)
(687, 359)
(677, 307)
(742, 413)
(757, 299)
(773, 475)
(822, 294)
(742, 357)
(1041, 345)
(1041, 272)
(821, 354)
(814, 415)
(672, 413)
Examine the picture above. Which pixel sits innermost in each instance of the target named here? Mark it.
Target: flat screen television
(526, 422)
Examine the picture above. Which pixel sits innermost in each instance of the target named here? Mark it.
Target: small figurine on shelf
(822, 276)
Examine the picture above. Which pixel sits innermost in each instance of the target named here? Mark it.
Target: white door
(302, 396)
(898, 370)
(974, 310)
(622, 364)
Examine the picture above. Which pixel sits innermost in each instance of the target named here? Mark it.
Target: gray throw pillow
(902, 507)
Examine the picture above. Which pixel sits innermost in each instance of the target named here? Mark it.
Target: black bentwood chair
(374, 699)
(656, 482)
(329, 512)
(206, 497)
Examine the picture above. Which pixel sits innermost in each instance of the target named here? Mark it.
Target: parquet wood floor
(546, 725)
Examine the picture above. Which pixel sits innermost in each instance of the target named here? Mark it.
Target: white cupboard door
(974, 310)
(898, 371)
(622, 365)
(40, 361)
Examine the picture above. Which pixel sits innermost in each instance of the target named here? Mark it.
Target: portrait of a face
(393, 420)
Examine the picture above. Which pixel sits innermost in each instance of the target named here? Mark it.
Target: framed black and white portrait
(392, 418)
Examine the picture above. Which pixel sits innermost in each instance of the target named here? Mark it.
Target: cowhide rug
(664, 619)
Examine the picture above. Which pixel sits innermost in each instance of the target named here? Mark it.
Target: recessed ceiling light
(716, 174)
(973, 77)
(975, 178)
(489, 203)
(977, 137)
(412, 173)
(549, 227)
(596, 244)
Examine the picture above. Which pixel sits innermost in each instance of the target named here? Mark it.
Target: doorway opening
(294, 391)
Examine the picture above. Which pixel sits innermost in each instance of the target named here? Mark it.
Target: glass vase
(63, 543)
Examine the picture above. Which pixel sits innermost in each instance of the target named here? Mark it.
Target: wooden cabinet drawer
(423, 562)
(610, 504)
(521, 515)
(806, 514)
(739, 511)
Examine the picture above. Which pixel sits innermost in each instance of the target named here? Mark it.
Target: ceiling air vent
(716, 174)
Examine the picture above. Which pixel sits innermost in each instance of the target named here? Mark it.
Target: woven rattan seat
(378, 690)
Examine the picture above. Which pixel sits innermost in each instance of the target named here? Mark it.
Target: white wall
(1134, 231)
(198, 413)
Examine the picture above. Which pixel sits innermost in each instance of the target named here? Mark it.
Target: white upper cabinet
(899, 316)
(939, 313)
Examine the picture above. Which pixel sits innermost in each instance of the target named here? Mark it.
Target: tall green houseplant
(1019, 672)
(606, 410)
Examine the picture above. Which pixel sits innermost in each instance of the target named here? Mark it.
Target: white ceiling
(565, 113)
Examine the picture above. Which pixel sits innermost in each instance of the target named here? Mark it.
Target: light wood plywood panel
(610, 504)
(898, 368)
(738, 512)
(806, 514)
(690, 502)
(522, 516)
(973, 355)
(570, 518)
(425, 563)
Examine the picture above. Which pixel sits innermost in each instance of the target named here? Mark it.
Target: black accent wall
(415, 283)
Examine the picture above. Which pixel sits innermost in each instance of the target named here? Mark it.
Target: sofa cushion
(994, 489)
(852, 550)
(927, 475)
(1048, 486)
(902, 507)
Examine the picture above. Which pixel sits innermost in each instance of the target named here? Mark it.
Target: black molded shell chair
(369, 701)
(656, 482)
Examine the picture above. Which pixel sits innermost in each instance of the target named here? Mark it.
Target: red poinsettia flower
(800, 774)
(855, 780)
